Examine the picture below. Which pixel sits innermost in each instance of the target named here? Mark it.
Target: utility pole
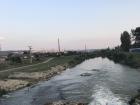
(59, 47)
(30, 53)
(85, 51)
(85, 48)
(0, 47)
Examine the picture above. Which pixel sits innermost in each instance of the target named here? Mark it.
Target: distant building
(136, 36)
(4, 55)
(134, 50)
(2, 60)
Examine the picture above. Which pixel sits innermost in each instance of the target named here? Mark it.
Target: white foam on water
(104, 96)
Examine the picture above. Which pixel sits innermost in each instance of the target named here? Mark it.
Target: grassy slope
(136, 57)
(9, 66)
(42, 67)
(46, 66)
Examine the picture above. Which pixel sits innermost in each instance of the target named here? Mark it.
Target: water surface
(108, 84)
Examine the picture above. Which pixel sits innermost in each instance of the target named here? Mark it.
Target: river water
(107, 83)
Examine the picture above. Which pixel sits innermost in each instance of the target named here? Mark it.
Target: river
(107, 83)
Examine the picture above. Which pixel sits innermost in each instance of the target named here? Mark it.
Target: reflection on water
(107, 83)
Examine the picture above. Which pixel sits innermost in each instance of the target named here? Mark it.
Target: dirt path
(2, 71)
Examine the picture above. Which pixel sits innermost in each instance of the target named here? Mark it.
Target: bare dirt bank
(19, 80)
(32, 75)
(12, 84)
(38, 75)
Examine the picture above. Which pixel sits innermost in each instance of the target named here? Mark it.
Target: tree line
(130, 40)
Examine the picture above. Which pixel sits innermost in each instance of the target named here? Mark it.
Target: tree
(136, 37)
(37, 56)
(14, 58)
(125, 41)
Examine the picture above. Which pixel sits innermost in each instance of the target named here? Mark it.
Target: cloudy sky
(39, 23)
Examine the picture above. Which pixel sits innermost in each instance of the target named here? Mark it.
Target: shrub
(2, 92)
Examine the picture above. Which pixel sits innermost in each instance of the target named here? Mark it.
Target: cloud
(2, 38)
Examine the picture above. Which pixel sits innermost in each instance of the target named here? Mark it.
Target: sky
(39, 23)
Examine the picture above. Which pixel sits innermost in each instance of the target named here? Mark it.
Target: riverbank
(135, 100)
(130, 59)
(42, 72)
(65, 103)
(19, 80)
(22, 77)
(109, 83)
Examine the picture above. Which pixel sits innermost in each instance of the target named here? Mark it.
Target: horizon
(96, 23)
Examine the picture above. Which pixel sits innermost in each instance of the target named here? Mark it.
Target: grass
(131, 59)
(15, 65)
(41, 67)
(46, 66)
(136, 56)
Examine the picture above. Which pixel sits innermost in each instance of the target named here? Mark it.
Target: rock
(65, 103)
(17, 80)
(12, 84)
(55, 103)
(6, 96)
(86, 74)
(135, 100)
(23, 75)
(95, 70)
(38, 75)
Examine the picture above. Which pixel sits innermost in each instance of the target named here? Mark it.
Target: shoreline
(36, 77)
(125, 58)
(15, 83)
(19, 80)
(66, 103)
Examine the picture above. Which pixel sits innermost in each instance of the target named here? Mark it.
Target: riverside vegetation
(131, 59)
(126, 58)
(32, 74)
(29, 75)
(14, 79)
